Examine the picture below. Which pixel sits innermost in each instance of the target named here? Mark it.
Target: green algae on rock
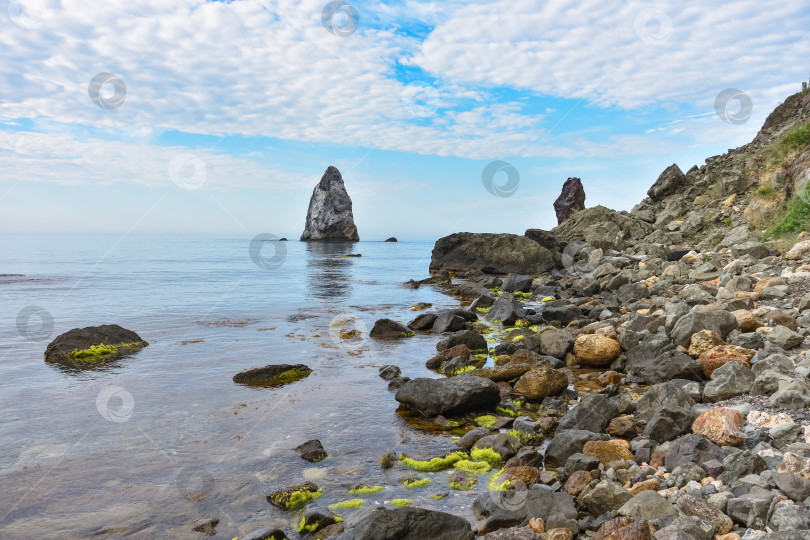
(413, 482)
(475, 467)
(351, 503)
(365, 490)
(435, 464)
(400, 502)
(294, 497)
(272, 375)
(486, 454)
(87, 346)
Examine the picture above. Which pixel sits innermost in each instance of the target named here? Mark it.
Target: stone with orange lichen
(537, 525)
(747, 321)
(722, 426)
(623, 427)
(647, 485)
(703, 341)
(722, 354)
(608, 377)
(625, 528)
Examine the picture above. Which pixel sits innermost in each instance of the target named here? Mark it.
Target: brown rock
(608, 451)
(541, 382)
(795, 464)
(623, 427)
(525, 356)
(448, 354)
(747, 321)
(527, 475)
(703, 341)
(728, 536)
(657, 458)
(608, 377)
(559, 534)
(720, 355)
(595, 350)
(571, 199)
(577, 482)
(647, 485)
(722, 426)
(697, 506)
(537, 525)
(625, 528)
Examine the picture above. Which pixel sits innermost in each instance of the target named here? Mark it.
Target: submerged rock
(409, 523)
(431, 397)
(272, 375)
(330, 211)
(82, 346)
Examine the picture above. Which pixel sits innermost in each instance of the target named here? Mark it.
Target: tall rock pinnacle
(330, 211)
(571, 200)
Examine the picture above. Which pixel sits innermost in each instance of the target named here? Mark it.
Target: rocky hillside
(747, 188)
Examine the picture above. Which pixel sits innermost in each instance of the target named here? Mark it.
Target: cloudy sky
(148, 116)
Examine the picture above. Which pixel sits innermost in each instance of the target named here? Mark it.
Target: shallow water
(144, 445)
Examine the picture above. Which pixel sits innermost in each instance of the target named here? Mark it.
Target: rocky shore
(627, 375)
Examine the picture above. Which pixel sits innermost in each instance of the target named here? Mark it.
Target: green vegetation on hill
(796, 217)
(778, 150)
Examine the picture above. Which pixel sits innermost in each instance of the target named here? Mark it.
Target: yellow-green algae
(521, 436)
(486, 454)
(101, 350)
(475, 467)
(508, 412)
(461, 370)
(435, 464)
(493, 484)
(486, 421)
(299, 498)
(351, 503)
(365, 490)
(439, 496)
(411, 483)
(400, 502)
(462, 486)
(482, 309)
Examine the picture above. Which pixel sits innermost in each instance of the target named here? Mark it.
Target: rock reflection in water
(329, 269)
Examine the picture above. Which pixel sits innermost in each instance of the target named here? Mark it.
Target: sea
(143, 446)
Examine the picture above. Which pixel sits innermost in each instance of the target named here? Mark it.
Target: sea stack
(329, 217)
(571, 199)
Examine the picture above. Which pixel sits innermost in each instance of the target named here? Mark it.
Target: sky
(194, 117)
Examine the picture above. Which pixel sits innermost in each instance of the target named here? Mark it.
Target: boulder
(603, 228)
(703, 341)
(722, 426)
(755, 249)
(431, 397)
(728, 381)
(596, 350)
(691, 448)
(799, 250)
(722, 354)
(571, 199)
(541, 382)
(312, 451)
(329, 216)
(593, 413)
(668, 182)
(719, 321)
(794, 486)
(648, 505)
(492, 253)
(625, 528)
(388, 329)
(84, 346)
(691, 505)
(517, 283)
(391, 239)
(608, 451)
(568, 442)
(500, 509)
(669, 365)
(272, 375)
(506, 309)
(503, 444)
(784, 337)
(604, 496)
(472, 339)
(409, 523)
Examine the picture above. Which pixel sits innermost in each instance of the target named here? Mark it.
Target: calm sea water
(143, 446)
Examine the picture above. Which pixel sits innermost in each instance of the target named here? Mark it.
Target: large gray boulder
(498, 509)
(87, 346)
(668, 183)
(432, 397)
(603, 228)
(719, 321)
(492, 253)
(409, 523)
(330, 211)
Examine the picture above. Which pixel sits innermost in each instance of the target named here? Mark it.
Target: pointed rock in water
(571, 199)
(272, 375)
(330, 211)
